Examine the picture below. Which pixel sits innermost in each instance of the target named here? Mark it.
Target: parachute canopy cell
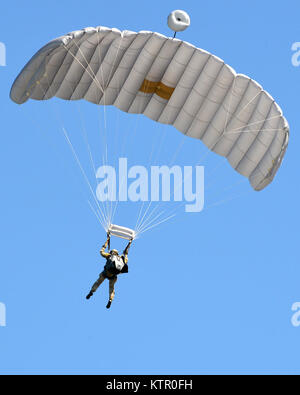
(169, 81)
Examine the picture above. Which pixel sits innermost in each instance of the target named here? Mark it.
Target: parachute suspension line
(226, 189)
(122, 155)
(114, 208)
(40, 128)
(174, 157)
(233, 185)
(84, 174)
(103, 136)
(114, 62)
(213, 171)
(227, 120)
(161, 137)
(142, 221)
(239, 129)
(149, 159)
(123, 145)
(103, 144)
(139, 222)
(85, 138)
(158, 223)
(143, 203)
(115, 153)
(119, 155)
(170, 164)
(180, 186)
(108, 81)
(96, 214)
(144, 228)
(220, 202)
(57, 113)
(150, 222)
(256, 130)
(227, 117)
(246, 105)
(92, 74)
(147, 222)
(147, 219)
(156, 219)
(59, 119)
(228, 110)
(228, 132)
(172, 213)
(94, 78)
(150, 219)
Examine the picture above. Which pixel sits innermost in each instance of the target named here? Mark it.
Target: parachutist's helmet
(114, 252)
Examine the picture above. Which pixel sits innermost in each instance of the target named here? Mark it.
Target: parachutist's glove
(108, 304)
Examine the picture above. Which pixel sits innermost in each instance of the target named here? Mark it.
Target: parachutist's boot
(89, 295)
(108, 304)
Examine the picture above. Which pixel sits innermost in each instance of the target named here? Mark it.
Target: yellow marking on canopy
(159, 88)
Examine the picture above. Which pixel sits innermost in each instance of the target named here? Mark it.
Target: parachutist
(115, 265)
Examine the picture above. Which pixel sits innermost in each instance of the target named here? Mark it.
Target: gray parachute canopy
(169, 81)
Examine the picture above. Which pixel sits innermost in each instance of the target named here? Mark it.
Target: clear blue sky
(207, 293)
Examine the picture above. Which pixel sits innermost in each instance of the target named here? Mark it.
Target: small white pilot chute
(121, 231)
(178, 21)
